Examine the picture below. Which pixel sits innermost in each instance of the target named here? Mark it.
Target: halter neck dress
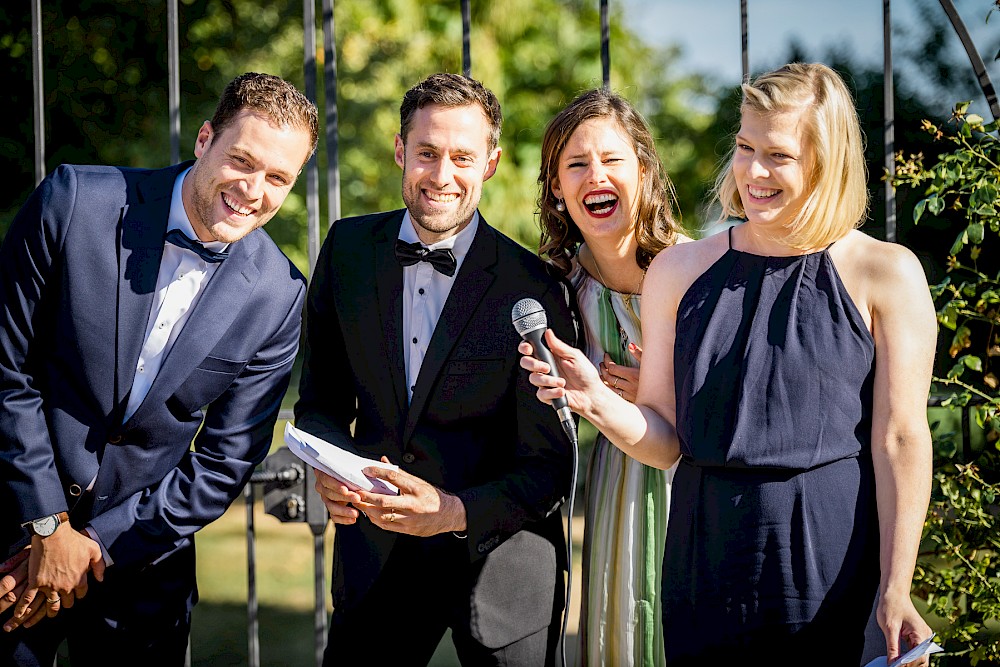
(772, 546)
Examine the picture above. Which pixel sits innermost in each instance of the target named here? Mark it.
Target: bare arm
(903, 323)
(643, 430)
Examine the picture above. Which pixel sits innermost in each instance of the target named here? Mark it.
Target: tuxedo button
(115, 439)
(409, 458)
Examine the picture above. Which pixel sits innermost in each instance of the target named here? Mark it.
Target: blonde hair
(838, 200)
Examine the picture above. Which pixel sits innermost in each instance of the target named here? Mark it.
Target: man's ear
(491, 166)
(400, 152)
(203, 139)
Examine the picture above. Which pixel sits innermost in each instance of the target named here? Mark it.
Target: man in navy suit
(409, 337)
(147, 333)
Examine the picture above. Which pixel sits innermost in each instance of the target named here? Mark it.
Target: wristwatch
(46, 525)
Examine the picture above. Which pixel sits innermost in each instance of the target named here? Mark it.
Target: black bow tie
(411, 253)
(181, 240)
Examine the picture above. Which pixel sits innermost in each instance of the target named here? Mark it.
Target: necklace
(626, 300)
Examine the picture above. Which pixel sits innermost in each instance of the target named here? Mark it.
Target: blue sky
(708, 32)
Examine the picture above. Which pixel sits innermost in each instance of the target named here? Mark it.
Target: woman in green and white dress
(605, 209)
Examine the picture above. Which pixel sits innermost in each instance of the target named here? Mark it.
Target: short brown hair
(838, 174)
(271, 96)
(656, 225)
(450, 91)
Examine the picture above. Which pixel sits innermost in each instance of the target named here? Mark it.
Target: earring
(560, 206)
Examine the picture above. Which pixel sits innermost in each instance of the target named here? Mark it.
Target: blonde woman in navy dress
(787, 361)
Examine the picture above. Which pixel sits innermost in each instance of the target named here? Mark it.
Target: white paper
(337, 462)
(925, 647)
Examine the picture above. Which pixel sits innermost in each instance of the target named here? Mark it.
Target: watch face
(45, 526)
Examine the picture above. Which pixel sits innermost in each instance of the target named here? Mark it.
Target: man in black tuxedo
(409, 336)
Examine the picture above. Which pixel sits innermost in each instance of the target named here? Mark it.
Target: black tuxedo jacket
(474, 426)
(78, 272)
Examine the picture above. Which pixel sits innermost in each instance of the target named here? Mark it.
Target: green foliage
(106, 89)
(958, 572)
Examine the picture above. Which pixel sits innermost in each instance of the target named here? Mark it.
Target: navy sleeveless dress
(772, 545)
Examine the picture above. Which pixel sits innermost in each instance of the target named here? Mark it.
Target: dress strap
(730, 237)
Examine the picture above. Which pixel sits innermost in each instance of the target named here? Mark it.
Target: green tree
(106, 82)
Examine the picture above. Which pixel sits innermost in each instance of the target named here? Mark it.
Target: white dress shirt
(425, 291)
(182, 278)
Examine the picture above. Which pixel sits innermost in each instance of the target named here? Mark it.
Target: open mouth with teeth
(761, 193)
(235, 206)
(441, 197)
(601, 204)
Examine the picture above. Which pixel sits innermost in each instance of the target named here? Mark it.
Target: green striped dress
(626, 511)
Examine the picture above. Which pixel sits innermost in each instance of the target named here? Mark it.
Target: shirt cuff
(104, 552)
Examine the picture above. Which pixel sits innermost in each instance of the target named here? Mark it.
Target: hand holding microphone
(530, 322)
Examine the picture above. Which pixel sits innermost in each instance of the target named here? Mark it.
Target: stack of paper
(925, 647)
(337, 462)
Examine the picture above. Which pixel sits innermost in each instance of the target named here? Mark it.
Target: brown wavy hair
(656, 220)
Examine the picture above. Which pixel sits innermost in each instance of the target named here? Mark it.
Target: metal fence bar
(173, 81)
(253, 643)
(332, 122)
(745, 40)
(466, 34)
(312, 168)
(38, 99)
(974, 58)
(605, 46)
(888, 122)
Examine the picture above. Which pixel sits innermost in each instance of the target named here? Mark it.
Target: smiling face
(445, 161)
(772, 165)
(242, 176)
(599, 180)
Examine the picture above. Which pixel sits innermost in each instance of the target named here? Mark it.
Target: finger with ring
(392, 517)
(615, 385)
(620, 393)
(53, 600)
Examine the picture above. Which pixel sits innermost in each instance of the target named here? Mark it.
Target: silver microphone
(530, 322)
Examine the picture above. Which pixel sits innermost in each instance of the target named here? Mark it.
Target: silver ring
(615, 385)
(54, 600)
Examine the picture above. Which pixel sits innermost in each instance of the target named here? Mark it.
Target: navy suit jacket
(473, 427)
(78, 271)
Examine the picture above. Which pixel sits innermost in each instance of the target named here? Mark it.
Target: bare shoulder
(881, 264)
(885, 279)
(674, 269)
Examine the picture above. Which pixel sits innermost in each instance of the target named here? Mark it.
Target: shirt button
(142, 369)
(180, 276)
(409, 458)
(414, 341)
(421, 290)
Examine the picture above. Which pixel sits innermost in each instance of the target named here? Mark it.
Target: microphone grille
(528, 315)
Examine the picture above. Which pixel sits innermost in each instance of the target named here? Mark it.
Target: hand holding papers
(925, 647)
(337, 462)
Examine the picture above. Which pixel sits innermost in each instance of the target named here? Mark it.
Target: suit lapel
(471, 284)
(213, 316)
(140, 248)
(389, 293)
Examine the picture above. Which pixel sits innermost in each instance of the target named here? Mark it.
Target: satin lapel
(389, 293)
(473, 279)
(213, 317)
(140, 248)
